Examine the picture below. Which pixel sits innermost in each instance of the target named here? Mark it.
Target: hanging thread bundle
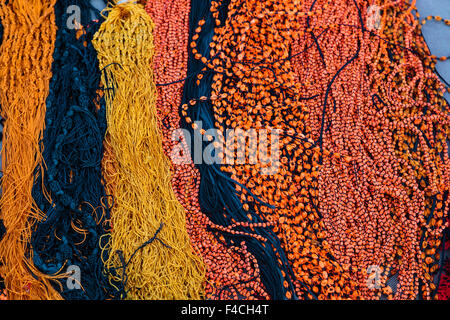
(149, 241)
(25, 72)
(68, 188)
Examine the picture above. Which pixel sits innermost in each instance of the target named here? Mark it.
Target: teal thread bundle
(68, 188)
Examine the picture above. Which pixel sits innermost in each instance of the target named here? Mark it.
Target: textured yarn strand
(25, 71)
(145, 206)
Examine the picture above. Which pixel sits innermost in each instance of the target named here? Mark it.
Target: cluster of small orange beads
(254, 87)
(444, 285)
(430, 62)
(421, 128)
(369, 95)
(232, 272)
(384, 209)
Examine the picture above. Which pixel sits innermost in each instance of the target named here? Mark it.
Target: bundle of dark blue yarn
(217, 195)
(75, 223)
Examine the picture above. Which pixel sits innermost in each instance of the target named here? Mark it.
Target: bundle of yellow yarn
(144, 202)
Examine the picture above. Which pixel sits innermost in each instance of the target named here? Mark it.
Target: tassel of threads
(68, 188)
(149, 242)
(25, 72)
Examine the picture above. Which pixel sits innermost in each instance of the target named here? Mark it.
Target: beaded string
(225, 266)
(386, 289)
(438, 19)
(25, 72)
(375, 211)
(143, 196)
(323, 106)
(257, 74)
(218, 196)
(442, 279)
(420, 133)
(2, 226)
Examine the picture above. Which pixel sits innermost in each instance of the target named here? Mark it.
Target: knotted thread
(68, 189)
(25, 71)
(143, 196)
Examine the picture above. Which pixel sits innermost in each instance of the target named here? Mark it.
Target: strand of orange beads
(218, 194)
(251, 71)
(419, 127)
(433, 57)
(440, 133)
(226, 266)
(438, 19)
(321, 77)
(372, 206)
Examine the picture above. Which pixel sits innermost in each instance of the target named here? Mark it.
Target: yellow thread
(143, 196)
